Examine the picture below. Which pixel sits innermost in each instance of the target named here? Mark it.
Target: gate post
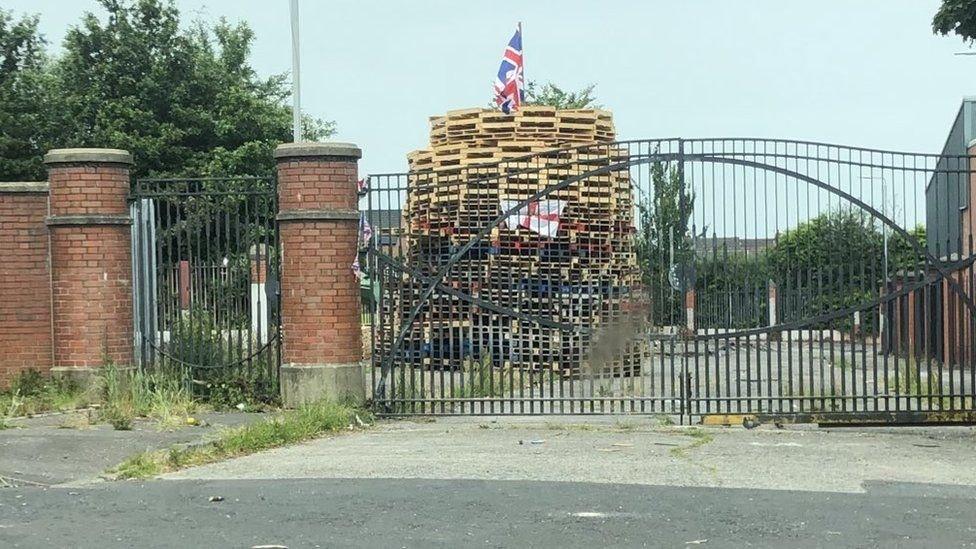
(320, 311)
(91, 261)
(772, 294)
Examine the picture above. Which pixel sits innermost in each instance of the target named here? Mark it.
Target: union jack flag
(509, 83)
(365, 229)
(356, 270)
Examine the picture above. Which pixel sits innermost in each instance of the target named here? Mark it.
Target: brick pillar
(91, 263)
(320, 310)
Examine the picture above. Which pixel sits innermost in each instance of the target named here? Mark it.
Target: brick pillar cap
(310, 149)
(94, 156)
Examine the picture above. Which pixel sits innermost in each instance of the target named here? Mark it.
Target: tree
(553, 96)
(25, 99)
(956, 16)
(831, 262)
(184, 101)
(664, 244)
(902, 255)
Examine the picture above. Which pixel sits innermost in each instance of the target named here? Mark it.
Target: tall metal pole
(296, 82)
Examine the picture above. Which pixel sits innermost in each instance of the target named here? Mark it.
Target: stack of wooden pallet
(581, 278)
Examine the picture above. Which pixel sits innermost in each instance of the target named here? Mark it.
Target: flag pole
(296, 87)
(522, 35)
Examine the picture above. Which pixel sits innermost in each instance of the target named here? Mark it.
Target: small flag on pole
(365, 229)
(355, 268)
(509, 83)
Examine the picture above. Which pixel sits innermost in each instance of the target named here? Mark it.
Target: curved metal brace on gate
(436, 280)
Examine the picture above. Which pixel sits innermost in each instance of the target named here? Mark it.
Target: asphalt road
(480, 513)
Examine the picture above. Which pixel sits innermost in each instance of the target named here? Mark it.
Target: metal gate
(786, 280)
(205, 271)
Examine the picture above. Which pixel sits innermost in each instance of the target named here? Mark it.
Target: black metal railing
(205, 271)
(688, 277)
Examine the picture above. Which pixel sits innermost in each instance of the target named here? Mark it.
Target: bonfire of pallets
(584, 278)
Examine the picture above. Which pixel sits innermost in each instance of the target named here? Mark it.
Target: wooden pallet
(479, 157)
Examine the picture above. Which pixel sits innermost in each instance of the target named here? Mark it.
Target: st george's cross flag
(540, 216)
(510, 80)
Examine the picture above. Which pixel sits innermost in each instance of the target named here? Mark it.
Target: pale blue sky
(864, 72)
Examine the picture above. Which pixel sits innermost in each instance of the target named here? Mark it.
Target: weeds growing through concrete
(483, 380)
(700, 437)
(161, 397)
(288, 427)
(31, 393)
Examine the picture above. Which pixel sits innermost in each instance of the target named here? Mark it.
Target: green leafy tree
(958, 17)
(664, 244)
(183, 98)
(185, 102)
(831, 262)
(553, 96)
(731, 289)
(901, 253)
(25, 99)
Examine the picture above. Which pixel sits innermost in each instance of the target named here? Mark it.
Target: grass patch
(31, 393)
(481, 380)
(288, 427)
(699, 436)
(161, 397)
(625, 425)
(555, 426)
(120, 397)
(914, 380)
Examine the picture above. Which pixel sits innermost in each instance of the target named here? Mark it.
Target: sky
(866, 73)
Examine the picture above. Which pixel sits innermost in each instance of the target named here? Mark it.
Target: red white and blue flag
(510, 82)
(365, 229)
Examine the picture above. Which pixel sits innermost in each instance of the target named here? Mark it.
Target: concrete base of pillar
(88, 379)
(305, 383)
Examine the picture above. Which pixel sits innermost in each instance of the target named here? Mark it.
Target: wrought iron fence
(688, 277)
(206, 274)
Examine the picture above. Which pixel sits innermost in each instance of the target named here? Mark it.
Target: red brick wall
(25, 297)
(320, 306)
